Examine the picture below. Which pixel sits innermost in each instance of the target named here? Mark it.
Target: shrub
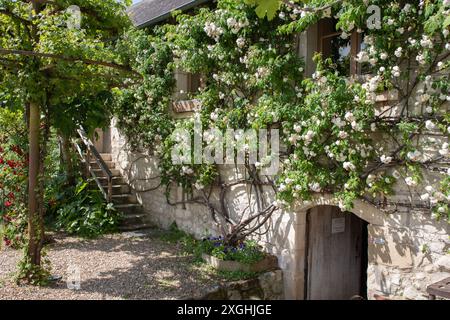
(13, 173)
(83, 211)
(247, 251)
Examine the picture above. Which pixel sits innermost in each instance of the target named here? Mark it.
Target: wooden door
(335, 254)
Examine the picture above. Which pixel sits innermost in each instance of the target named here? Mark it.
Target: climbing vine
(338, 138)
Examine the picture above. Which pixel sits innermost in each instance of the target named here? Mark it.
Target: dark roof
(149, 12)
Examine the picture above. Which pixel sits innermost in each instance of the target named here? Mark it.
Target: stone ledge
(391, 95)
(184, 106)
(268, 263)
(267, 286)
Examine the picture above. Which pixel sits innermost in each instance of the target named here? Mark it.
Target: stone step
(115, 181)
(118, 189)
(130, 208)
(109, 164)
(135, 227)
(124, 199)
(100, 173)
(106, 156)
(133, 219)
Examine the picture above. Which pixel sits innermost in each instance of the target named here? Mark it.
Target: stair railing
(92, 152)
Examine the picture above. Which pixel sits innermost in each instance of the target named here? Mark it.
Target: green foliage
(143, 113)
(247, 252)
(442, 209)
(67, 88)
(67, 71)
(336, 141)
(38, 275)
(265, 8)
(174, 234)
(236, 79)
(188, 244)
(84, 212)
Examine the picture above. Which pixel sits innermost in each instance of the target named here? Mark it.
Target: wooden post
(33, 185)
(88, 163)
(66, 158)
(109, 189)
(355, 48)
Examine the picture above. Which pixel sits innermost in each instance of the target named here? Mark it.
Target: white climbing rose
(430, 125)
(349, 166)
(240, 42)
(411, 181)
(385, 159)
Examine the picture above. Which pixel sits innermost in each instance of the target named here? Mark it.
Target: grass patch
(174, 235)
(168, 284)
(188, 244)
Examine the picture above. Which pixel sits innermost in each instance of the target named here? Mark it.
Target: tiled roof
(149, 12)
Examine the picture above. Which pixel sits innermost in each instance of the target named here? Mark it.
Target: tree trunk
(66, 157)
(34, 216)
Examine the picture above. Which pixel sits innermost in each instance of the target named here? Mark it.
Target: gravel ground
(119, 266)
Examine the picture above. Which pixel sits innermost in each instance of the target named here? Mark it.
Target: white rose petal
(385, 159)
(430, 125)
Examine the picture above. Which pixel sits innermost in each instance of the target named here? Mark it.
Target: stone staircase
(134, 217)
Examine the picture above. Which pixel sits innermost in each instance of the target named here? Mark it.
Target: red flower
(11, 196)
(8, 204)
(7, 242)
(11, 164)
(17, 150)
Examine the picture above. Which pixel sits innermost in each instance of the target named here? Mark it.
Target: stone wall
(267, 286)
(407, 249)
(408, 257)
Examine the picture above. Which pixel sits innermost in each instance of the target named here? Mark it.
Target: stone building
(324, 253)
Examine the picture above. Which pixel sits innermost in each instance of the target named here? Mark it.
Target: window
(187, 85)
(342, 51)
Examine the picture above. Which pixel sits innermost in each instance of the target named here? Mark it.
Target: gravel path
(120, 266)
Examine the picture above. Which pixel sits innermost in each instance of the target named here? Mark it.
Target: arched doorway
(335, 254)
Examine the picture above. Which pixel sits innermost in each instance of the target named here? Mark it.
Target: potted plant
(245, 256)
